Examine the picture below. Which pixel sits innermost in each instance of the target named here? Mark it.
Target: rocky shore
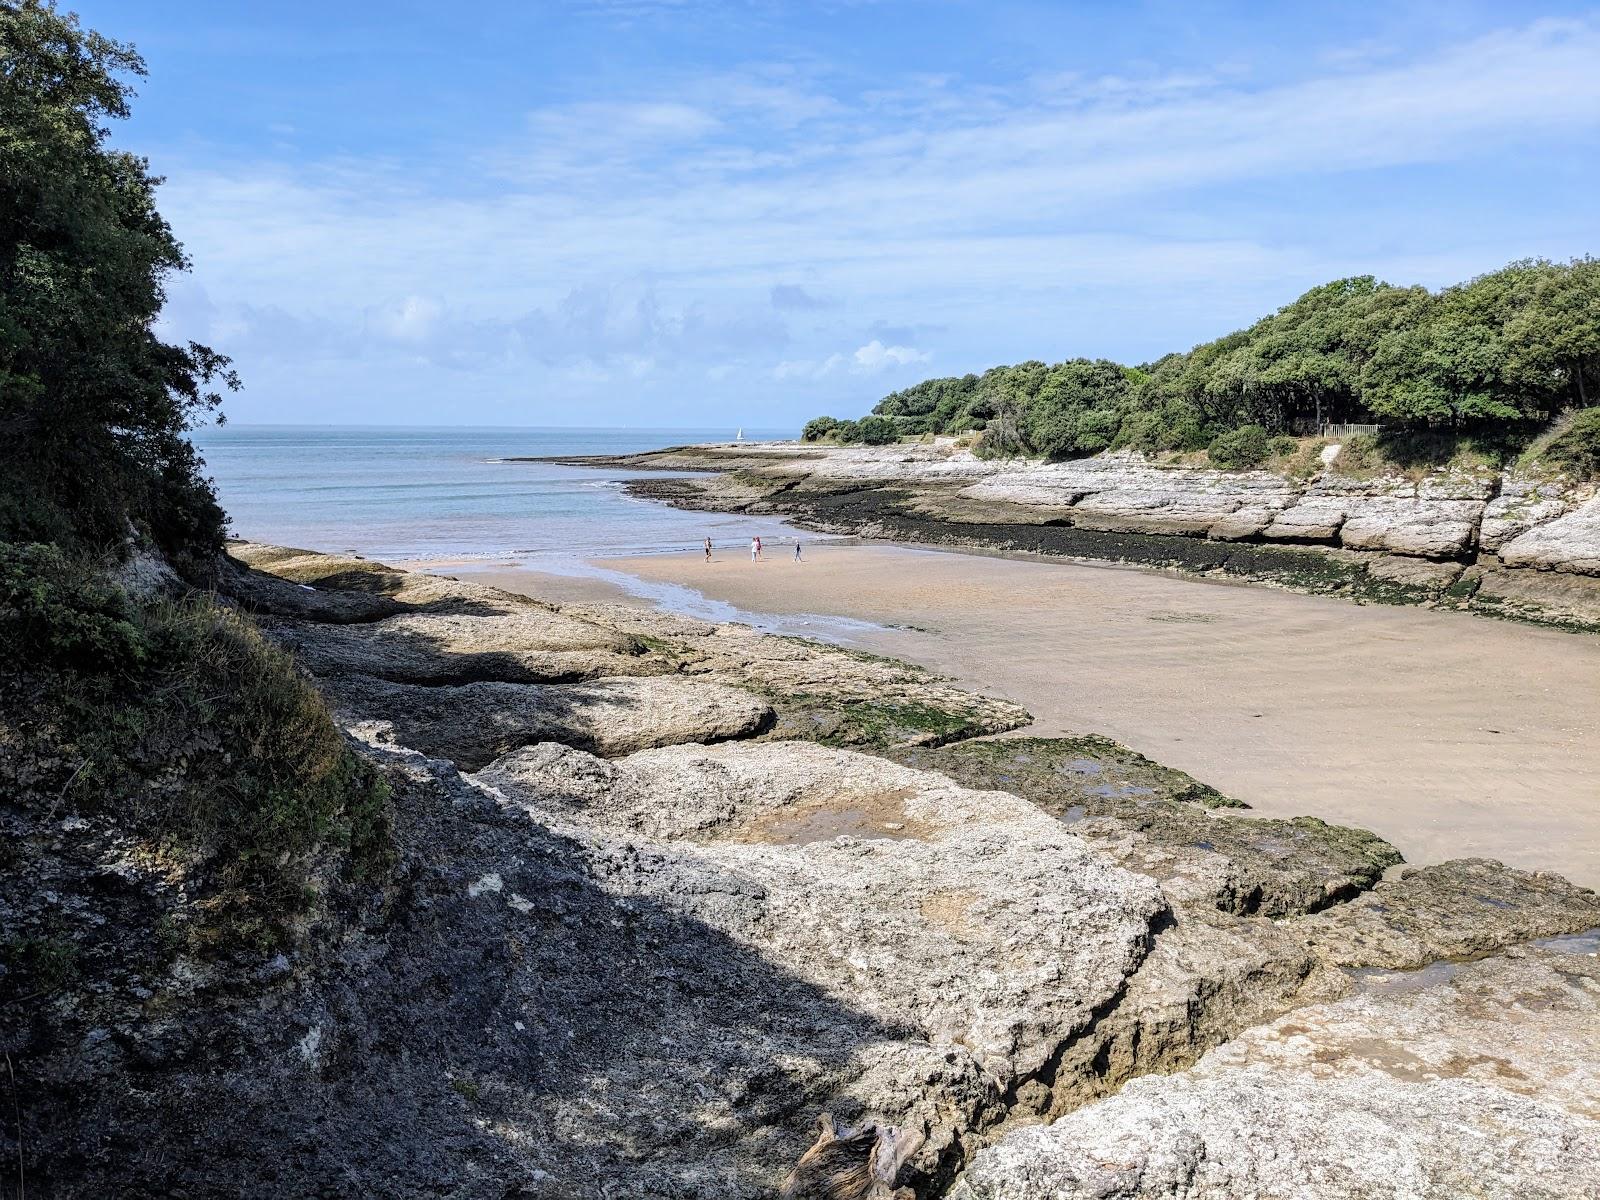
(1494, 543)
(665, 892)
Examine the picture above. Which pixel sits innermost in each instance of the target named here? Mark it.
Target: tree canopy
(1506, 351)
(93, 405)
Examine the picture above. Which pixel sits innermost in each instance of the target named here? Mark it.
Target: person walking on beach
(797, 552)
(755, 548)
(758, 547)
(708, 548)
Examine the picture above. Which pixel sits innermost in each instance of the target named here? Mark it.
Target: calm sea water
(424, 493)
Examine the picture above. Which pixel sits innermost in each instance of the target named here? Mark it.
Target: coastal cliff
(661, 892)
(1485, 541)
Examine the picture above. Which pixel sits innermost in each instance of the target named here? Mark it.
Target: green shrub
(1247, 446)
(1306, 460)
(1282, 447)
(1497, 355)
(1576, 449)
(848, 431)
(183, 721)
(878, 431)
(818, 428)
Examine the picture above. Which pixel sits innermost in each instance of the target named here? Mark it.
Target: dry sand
(1451, 735)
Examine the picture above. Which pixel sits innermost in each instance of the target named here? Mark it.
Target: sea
(451, 493)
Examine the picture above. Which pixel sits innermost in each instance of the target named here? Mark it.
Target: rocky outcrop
(477, 722)
(1441, 539)
(519, 644)
(1482, 1083)
(1568, 543)
(455, 633)
(977, 929)
(1163, 823)
(645, 972)
(1464, 908)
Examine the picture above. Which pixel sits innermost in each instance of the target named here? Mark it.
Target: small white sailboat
(739, 437)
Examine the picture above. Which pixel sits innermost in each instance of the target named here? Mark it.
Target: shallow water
(1380, 982)
(427, 493)
(684, 601)
(1587, 942)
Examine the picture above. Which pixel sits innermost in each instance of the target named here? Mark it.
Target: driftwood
(848, 1163)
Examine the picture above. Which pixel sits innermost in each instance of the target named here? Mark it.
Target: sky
(658, 213)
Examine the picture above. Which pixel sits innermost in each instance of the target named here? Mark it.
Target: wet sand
(1449, 734)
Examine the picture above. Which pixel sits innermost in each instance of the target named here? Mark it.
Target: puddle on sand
(869, 816)
(1073, 815)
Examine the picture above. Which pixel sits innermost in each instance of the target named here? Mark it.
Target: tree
(93, 406)
(1495, 355)
(878, 430)
(1556, 336)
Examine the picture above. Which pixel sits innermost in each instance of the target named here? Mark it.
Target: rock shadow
(350, 596)
(519, 1026)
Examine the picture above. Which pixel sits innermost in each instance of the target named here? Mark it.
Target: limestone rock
(978, 929)
(1413, 572)
(1154, 819)
(1558, 597)
(453, 632)
(1312, 519)
(267, 594)
(1204, 980)
(1123, 507)
(1568, 543)
(1246, 521)
(413, 591)
(519, 645)
(477, 722)
(1463, 908)
(1484, 1084)
(1424, 528)
(1521, 505)
(821, 692)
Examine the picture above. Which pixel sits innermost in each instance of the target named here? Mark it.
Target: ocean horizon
(430, 492)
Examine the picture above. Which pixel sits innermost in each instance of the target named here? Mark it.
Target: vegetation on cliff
(93, 404)
(1494, 359)
(178, 719)
(153, 706)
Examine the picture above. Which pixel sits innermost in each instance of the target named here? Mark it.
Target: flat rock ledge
(475, 723)
(1481, 1081)
(976, 932)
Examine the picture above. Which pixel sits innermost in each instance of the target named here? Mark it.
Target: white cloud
(870, 359)
(875, 356)
(649, 228)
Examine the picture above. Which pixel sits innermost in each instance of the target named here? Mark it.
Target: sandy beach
(1450, 735)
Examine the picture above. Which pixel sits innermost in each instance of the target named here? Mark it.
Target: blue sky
(675, 212)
